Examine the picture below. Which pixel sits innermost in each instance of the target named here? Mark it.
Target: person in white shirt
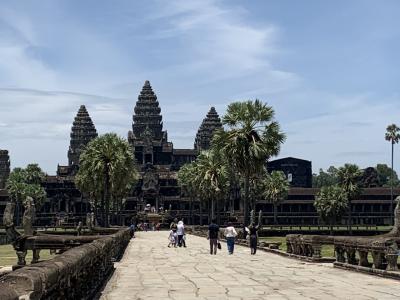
(180, 231)
(230, 234)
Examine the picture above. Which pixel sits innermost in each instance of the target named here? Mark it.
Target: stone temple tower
(147, 119)
(4, 168)
(82, 132)
(204, 135)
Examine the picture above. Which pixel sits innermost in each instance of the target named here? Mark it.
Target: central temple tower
(147, 119)
(156, 157)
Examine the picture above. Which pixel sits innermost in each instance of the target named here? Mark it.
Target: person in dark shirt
(213, 236)
(253, 232)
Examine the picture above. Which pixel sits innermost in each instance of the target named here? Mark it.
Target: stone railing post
(391, 256)
(351, 255)
(392, 262)
(340, 254)
(316, 250)
(377, 259)
(363, 258)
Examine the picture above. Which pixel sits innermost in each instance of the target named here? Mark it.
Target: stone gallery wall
(76, 274)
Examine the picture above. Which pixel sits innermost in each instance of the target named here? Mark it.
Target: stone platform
(151, 270)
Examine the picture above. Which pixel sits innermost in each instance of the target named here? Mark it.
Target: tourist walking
(172, 239)
(230, 234)
(253, 232)
(132, 230)
(213, 236)
(174, 227)
(180, 231)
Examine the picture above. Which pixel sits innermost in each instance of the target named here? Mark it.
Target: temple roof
(82, 132)
(147, 114)
(206, 130)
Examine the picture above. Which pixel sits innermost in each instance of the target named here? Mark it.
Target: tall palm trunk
(212, 209)
(201, 213)
(391, 189)
(350, 219)
(275, 213)
(102, 212)
(246, 198)
(106, 195)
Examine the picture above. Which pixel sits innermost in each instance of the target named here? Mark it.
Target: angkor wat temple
(159, 162)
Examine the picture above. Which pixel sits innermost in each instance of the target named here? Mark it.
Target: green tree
(251, 138)
(187, 181)
(392, 135)
(331, 203)
(349, 181)
(26, 182)
(107, 170)
(325, 178)
(385, 174)
(212, 176)
(276, 188)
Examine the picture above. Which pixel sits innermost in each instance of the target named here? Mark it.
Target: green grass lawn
(8, 257)
(326, 251)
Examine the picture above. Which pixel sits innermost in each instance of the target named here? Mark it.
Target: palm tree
(24, 183)
(34, 174)
(330, 204)
(349, 181)
(393, 136)
(276, 188)
(186, 180)
(107, 171)
(252, 137)
(212, 176)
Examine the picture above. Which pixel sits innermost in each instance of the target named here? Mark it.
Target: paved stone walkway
(151, 270)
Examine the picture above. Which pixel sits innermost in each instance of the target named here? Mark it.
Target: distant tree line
(378, 176)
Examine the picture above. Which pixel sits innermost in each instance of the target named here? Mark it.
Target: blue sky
(329, 69)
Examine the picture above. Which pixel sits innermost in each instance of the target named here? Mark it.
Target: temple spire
(82, 132)
(4, 168)
(147, 114)
(204, 135)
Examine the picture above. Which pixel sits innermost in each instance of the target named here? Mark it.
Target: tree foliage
(26, 182)
(331, 203)
(327, 178)
(392, 134)
(349, 180)
(276, 187)
(107, 172)
(206, 177)
(384, 175)
(251, 138)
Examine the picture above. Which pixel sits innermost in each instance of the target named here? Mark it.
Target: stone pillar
(316, 250)
(340, 254)
(35, 256)
(392, 262)
(21, 257)
(363, 258)
(351, 256)
(377, 258)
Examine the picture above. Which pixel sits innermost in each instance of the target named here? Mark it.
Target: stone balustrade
(355, 251)
(307, 245)
(75, 274)
(349, 250)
